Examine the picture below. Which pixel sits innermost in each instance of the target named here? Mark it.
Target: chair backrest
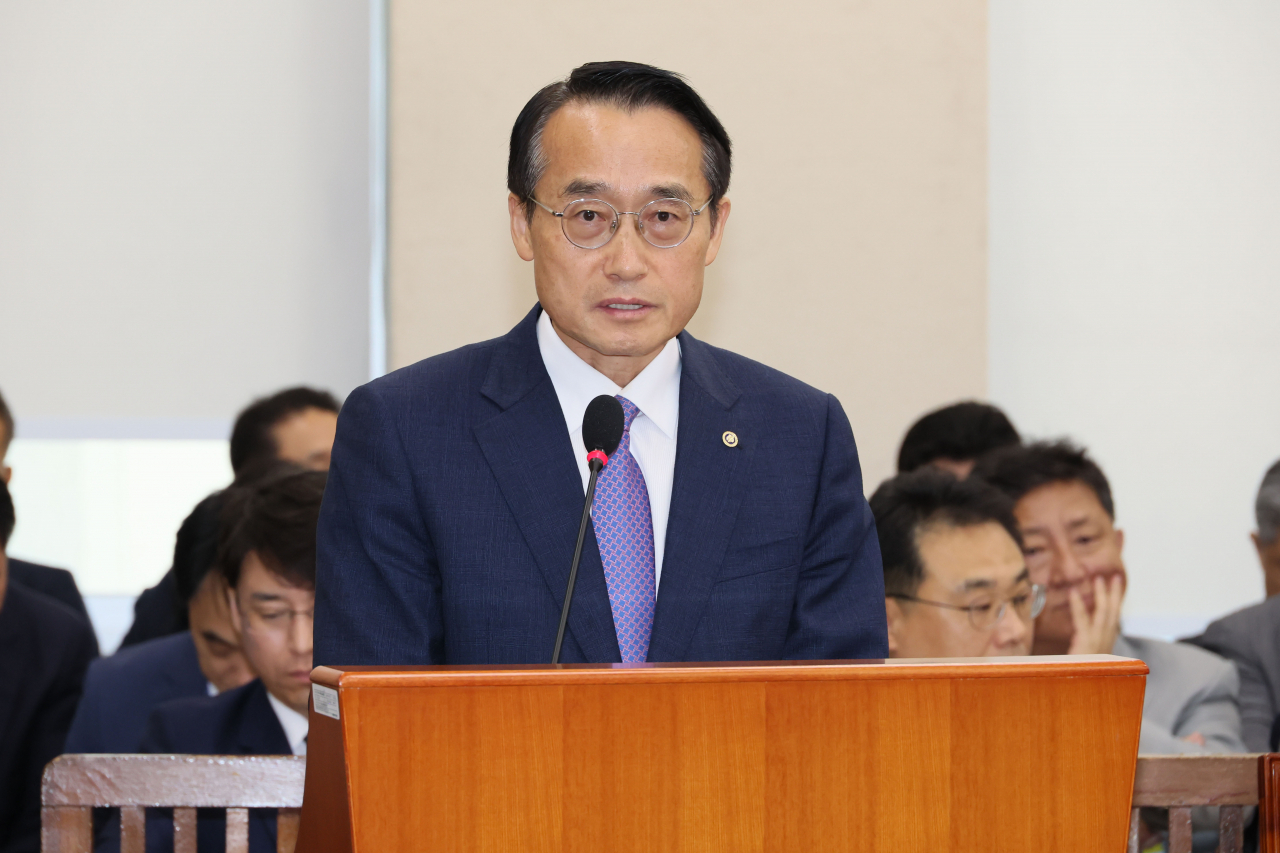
(1180, 782)
(74, 785)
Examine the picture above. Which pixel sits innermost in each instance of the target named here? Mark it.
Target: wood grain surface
(991, 754)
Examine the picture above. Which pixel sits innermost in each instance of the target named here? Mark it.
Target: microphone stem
(577, 557)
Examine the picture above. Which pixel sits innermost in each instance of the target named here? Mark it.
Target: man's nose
(1067, 569)
(300, 634)
(1011, 630)
(625, 253)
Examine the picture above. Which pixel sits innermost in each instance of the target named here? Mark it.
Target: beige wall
(856, 255)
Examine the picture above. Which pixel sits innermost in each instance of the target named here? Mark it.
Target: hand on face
(616, 306)
(1095, 631)
(217, 642)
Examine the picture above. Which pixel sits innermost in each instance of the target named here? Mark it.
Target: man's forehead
(1070, 503)
(598, 143)
(970, 558)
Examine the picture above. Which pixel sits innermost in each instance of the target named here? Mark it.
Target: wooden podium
(981, 754)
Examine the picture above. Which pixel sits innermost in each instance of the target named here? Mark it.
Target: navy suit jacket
(453, 503)
(121, 691)
(238, 722)
(58, 584)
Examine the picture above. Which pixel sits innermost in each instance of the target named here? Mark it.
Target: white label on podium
(325, 699)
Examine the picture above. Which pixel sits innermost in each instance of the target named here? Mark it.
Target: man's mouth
(625, 306)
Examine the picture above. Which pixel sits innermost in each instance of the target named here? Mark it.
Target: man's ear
(520, 234)
(1257, 541)
(893, 615)
(6, 472)
(717, 233)
(1119, 541)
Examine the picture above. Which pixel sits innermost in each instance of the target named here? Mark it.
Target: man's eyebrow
(1079, 522)
(672, 191)
(215, 637)
(581, 188)
(266, 596)
(976, 583)
(1024, 575)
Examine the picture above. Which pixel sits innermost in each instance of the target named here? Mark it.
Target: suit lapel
(528, 450)
(705, 495)
(260, 733)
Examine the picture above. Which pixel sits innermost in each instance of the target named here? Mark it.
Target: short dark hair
(196, 547)
(908, 504)
(251, 438)
(1019, 470)
(629, 86)
(272, 514)
(6, 423)
(960, 431)
(7, 516)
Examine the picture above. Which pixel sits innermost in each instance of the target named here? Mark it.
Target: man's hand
(1095, 634)
(1196, 738)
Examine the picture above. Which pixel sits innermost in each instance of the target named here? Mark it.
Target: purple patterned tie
(624, 530)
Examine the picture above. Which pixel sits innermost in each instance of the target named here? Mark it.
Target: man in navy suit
(268, 557)
(121, 691)
(729, 525)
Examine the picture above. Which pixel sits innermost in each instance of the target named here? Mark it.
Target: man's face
(628, 160)
(5, 471)
(1069, 540)
(274, 620)
(1269, 556)
(306, 438)
(978, 566)
(217, 645)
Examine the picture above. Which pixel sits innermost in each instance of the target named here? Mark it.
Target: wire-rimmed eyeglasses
(589, 223)
(984, 615)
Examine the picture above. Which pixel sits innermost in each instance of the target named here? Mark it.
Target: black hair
(196, 547)
(272, 512)
(629, 86)
(906, 505)
(1019, 470)
(6, 422)
(960, 431)
(7, 516)
(251, 438)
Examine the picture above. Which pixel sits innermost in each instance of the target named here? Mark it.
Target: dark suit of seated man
(121, 691)
(267, 556)
(730, 523)
(58, 584)
(45, 648)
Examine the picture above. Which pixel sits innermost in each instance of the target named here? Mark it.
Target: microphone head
(602, 425)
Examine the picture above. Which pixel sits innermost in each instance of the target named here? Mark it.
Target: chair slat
(184, 830)
(287, 822)
(212, 781)
(133, 829)
(237, 831)
(1231, 829)
(1180, 830)
(1133, 831)
(68, 829)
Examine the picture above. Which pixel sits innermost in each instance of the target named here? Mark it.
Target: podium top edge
(1044, 666)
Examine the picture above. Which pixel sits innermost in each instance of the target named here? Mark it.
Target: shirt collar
(656, 391)
(295, 725)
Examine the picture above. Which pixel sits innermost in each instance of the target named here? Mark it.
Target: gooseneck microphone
(602, 428)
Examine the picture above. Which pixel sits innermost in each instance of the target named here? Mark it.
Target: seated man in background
(1251, 637)
(121, 691)
(955, 581)
(45, 648)
(55, 583)
(268, 557)
(295, 425)
(1067, 518)
(952, 437)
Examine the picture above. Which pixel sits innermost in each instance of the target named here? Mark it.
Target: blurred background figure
(295, 425)
(953, 437)
(1251, 637)
(1073, 548)
(45, 648)
(267, 557)
(956, 583)
(55, 583)
(121, 691)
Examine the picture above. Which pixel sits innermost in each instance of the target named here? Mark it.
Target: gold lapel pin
(730, 438)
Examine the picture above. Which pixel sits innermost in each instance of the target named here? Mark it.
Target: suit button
(730, 438)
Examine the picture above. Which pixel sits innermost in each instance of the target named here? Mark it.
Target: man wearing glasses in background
(730, 523)
(956, 584)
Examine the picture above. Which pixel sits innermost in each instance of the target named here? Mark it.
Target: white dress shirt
(295, 725)
(656, 393)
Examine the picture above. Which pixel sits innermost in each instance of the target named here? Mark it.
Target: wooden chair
(74, 785)
(1180, 782)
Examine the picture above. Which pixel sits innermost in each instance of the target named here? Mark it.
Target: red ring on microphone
(598, 454)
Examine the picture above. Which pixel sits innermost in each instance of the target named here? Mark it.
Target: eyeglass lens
(1027, 603)
(664, 223)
